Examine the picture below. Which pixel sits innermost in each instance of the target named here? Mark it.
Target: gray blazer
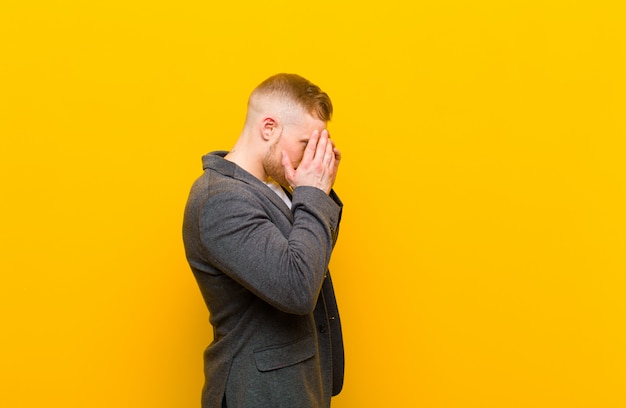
(262, 270)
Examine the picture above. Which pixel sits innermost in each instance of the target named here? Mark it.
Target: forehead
(305, 122)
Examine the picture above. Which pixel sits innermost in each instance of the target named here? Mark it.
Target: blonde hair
(298, 90)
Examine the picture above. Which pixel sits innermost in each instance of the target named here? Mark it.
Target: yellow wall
(482, 261)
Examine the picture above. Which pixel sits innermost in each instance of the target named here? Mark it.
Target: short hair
(299, 90)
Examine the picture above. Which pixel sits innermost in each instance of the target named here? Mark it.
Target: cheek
(296, 156)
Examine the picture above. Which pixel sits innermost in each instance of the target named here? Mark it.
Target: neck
(245, 157)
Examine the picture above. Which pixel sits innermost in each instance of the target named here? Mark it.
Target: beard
(273, 166)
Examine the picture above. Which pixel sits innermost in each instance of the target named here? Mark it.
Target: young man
(259, 229)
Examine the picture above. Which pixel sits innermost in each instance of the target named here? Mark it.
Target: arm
(245, 243)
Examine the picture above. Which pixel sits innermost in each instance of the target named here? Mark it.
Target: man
(259, 228)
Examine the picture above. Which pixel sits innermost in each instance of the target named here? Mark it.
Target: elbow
(302, 307)
(299, 302)
(300, 289)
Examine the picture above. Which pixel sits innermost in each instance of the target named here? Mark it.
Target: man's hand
(319, 164)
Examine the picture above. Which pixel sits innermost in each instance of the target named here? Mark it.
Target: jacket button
(322, 328)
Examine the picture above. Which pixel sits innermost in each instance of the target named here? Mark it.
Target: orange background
(482, 258)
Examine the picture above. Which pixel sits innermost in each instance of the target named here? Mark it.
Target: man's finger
(322, 145)
(287, 166)
(337, 154)
(309, 151)
(329, 155)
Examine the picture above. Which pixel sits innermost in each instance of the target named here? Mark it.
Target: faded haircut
(299, 90)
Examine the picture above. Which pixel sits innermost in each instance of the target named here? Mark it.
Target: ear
(269, 125)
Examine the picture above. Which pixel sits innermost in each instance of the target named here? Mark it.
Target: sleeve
(244, 242)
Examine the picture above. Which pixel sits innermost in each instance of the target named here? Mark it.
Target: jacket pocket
(285, 355)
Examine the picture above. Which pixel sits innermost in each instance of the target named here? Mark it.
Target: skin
(283, 142)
